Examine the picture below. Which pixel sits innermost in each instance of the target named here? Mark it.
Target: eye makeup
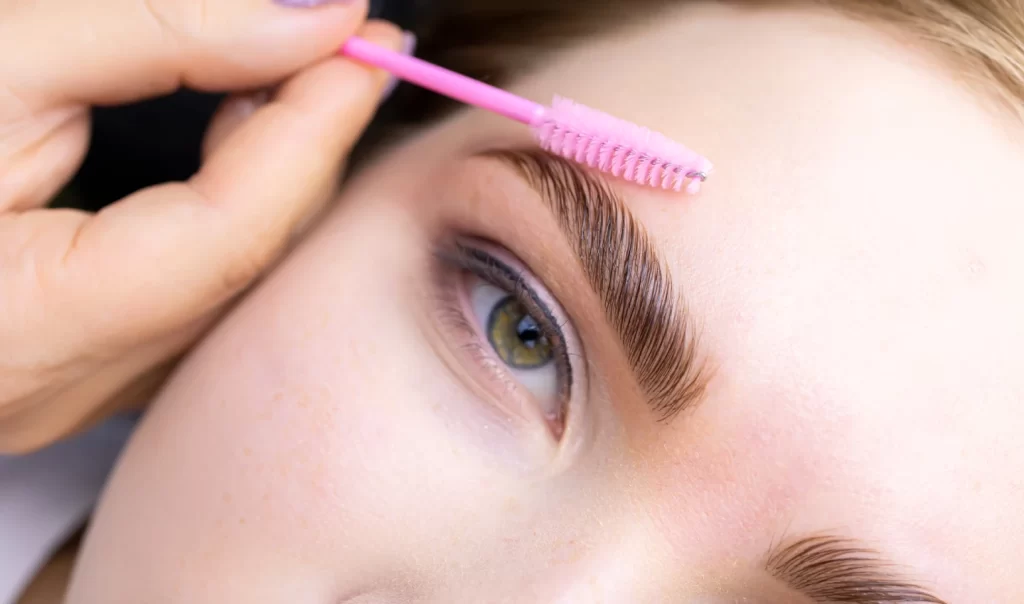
(508, 329)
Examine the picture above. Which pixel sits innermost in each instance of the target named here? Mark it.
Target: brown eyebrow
(834, 569)
(627, 273)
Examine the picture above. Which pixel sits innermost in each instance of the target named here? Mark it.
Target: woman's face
(490, 378)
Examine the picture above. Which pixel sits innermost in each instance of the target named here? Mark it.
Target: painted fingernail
(408, 48)
(310, 3)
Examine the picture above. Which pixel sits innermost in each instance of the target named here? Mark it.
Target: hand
(95, 308)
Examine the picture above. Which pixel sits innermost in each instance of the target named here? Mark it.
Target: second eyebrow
(828, 568)
(627, 274)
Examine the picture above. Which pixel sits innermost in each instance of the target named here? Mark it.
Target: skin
(858, 295)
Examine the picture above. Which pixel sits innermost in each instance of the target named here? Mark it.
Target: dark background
(142, 144)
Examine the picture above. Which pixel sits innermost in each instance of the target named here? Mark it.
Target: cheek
(299, 434)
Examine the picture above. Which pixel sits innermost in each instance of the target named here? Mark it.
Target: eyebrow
(831, 569)
(624, 268)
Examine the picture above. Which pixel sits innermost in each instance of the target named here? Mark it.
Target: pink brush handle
(445, 82)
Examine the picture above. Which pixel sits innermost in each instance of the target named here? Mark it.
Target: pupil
(528, 331)
(517, 337)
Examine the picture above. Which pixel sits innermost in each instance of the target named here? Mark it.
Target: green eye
(528, 336)
(516, 337)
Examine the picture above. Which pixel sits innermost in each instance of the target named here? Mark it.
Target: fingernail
(310, 3)
(408, 48)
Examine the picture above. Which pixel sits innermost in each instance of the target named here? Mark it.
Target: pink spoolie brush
(569, 129)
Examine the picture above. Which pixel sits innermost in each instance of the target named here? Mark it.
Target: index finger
(115, 51)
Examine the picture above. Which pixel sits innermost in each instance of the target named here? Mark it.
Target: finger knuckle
(179, 21)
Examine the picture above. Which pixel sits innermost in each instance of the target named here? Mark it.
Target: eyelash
(461, 260)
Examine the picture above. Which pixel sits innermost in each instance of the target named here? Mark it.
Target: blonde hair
(984, 37)
(495, 39)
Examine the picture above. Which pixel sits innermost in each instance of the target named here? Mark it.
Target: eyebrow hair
(834, 569)
(626, 272)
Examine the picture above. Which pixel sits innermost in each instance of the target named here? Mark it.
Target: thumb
(167, 255)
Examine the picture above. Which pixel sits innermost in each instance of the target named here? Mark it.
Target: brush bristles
(618, 147)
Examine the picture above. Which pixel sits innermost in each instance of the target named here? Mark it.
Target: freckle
(227, 497)
(247, 452)
(241, 521)
(278, 397)
(975, 268)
